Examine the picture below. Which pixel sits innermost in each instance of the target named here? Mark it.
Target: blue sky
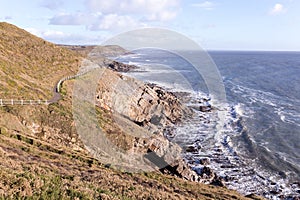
(214, 24)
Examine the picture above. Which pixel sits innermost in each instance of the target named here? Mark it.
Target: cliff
(43, 157)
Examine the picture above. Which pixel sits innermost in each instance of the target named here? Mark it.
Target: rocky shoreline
(135, 105)
(196, 169)
(159, 111)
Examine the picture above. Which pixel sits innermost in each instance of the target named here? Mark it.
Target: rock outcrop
(118, 66)
(150, 107)
(147, 105)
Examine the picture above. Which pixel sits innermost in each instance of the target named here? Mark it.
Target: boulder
(204, 161)
(191, 149)
(119, 67)
(205, 107)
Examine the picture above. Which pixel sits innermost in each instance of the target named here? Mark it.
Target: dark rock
(182, 170)
(228, 178)
(204, 172)
(296, 184)
(120, 67)
(275, 192)
(207, 171)
(218, 181)
(204, 161)
(207, 175)
(291, 197)
(282, 174)
(169, 132)
(191, 149)
(107, 165)
(252, 196)
(205, 108)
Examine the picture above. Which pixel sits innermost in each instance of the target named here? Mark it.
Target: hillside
(30, 66)
(41, 154)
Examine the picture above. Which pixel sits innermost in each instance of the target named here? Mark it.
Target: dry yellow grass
(30, 66)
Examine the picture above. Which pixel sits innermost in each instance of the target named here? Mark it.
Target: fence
(5, 102)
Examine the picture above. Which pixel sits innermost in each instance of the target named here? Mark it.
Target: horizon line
(205, 49)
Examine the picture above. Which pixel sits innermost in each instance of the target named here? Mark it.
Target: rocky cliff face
(147, 105)
(154, 109)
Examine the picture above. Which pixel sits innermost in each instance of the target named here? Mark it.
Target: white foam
(287, 115)
(239, 109)
(132, 63)
(282, 117)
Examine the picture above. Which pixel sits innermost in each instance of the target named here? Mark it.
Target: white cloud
(54, 35)
(66, 38)
(207, 5)
(158, 10)
(120, 15)
(277, 9)
(97, 21)
(115, 22)
(52, 4)
(71, 19)
(49, 34)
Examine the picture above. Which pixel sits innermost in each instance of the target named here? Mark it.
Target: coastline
(173, 109)
(42, 154)
(206, 174)
(231, 163)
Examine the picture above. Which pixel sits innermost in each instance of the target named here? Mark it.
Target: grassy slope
(41, 156)
(30, 66)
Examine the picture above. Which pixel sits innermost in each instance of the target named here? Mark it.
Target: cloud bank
(119, 15)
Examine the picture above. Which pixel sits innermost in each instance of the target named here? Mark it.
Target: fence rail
(6, 102)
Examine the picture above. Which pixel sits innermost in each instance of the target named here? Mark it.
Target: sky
(213, 24)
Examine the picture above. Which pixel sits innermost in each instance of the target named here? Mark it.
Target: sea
(256, 149)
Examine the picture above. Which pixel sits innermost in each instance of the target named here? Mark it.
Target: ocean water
(257, 148)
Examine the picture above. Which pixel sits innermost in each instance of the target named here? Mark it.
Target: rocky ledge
(119, 67)
(155, 110)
